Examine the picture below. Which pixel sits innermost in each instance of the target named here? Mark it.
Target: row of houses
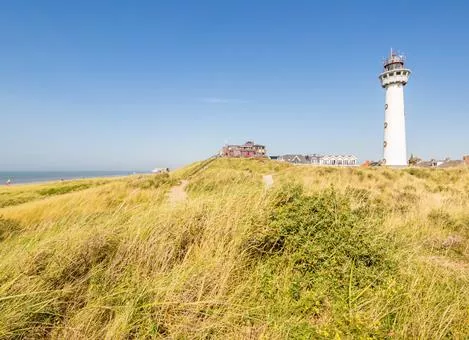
(253, 150)
(439, 163)
(315, 159)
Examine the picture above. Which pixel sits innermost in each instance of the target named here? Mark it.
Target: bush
(64, 189)
(329, 242)
(312, 228)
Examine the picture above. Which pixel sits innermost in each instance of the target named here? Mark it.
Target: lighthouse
(393, 79)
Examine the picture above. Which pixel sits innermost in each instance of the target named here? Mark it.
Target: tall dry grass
(324, 253)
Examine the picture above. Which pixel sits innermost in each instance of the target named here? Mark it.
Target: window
(385, 107)
(385, 125)
(385, 143)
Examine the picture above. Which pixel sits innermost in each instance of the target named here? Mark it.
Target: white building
(393, 79)
(314, 159)
(339, 160)
(160, 170)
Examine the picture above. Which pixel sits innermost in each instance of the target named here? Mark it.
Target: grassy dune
(324, 253)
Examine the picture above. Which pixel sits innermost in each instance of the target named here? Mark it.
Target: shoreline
(65, 178)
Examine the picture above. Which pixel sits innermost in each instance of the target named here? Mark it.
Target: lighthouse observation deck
(394, 71)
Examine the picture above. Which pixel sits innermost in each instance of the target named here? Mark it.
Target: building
(450, 163)
(339, 160)
(295, 159)
(160, 170)
(393, 79)
(299, 159)
(370, 164)
(247, 150)
(443, 163)
(315, 159)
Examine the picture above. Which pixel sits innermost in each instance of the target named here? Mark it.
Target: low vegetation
(15, 195)
(323, 253)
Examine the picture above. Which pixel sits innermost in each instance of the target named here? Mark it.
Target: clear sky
(114, 85)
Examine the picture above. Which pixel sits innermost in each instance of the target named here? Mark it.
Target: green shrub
(11, 201)
(312, 228)
(61, 189)
(329, 242)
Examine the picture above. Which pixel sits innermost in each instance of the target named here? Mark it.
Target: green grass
(324, 253)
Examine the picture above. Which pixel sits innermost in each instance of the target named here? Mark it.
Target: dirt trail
(178, 192)
(268, 180)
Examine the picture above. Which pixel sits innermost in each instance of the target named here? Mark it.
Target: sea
(18, 177)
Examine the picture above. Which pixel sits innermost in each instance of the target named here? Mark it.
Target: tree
(414, 160)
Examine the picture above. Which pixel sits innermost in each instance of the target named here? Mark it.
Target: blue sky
(132, 85)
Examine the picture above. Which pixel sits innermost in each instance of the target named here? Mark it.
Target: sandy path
(268, 180)
(178, 192)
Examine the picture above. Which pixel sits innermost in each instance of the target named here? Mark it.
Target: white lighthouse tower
(393, 79)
